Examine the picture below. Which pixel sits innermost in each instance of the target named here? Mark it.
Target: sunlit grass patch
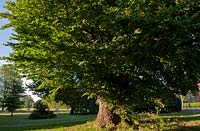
(21, 122)
(192, 104)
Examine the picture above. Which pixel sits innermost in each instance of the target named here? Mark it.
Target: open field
(66, 122)
(20, 122)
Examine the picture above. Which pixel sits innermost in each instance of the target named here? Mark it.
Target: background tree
(5, 77)
(74, 99)
(128, 53)
(27, 102)
(11, 88)
(79, 102)
(53, 104)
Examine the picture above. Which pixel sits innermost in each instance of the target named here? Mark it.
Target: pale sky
(4, 35)
(5, 50)
(28, 92)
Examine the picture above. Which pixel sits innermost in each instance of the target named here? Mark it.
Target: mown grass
(20, 122)
(66, 122)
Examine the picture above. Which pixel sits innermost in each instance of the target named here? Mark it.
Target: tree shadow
(192, 118)
(186, 123)
(190, 128)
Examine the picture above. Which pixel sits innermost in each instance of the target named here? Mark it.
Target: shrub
(38, 115)
(41, 111)
(172, 104)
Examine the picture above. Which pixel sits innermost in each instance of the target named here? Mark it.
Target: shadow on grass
(184, 122)
(182, 116)
(193, 118)
(190, 128)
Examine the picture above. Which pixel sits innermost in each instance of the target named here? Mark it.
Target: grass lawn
(20, 122)
(67, 122)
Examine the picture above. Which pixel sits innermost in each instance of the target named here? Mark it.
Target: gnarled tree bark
(106, 118)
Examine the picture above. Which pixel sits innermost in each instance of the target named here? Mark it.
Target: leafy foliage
(130, 53)
(84, 106)
(79, 103)
(52, 104)
(172, 104)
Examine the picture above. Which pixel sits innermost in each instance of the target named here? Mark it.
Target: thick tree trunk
(11, 113)
(106, 118)
(2, 108)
